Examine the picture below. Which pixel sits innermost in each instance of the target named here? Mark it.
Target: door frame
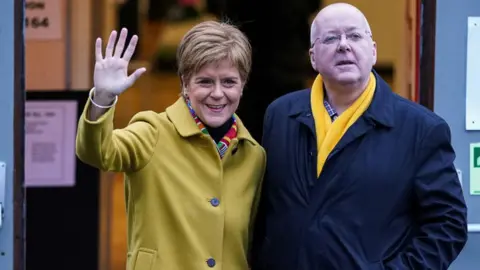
(428, 10)
(19, 138)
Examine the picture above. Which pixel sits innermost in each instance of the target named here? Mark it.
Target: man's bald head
(336, 10)
(342, 49)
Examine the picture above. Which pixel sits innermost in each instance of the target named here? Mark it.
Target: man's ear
(312, 59)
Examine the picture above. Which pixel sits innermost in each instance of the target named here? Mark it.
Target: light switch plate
(3, 177)
(460, 178)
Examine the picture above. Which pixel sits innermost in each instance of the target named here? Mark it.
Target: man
(357, 177)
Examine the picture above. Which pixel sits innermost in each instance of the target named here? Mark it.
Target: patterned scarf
(224, 143)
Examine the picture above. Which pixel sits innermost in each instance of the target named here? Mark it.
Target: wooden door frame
(426, 86)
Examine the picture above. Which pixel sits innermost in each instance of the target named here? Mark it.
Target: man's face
(343, 51)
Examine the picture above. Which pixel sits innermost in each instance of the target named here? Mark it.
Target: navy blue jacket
(388, 196)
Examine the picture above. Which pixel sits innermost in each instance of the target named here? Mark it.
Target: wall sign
(43, 19)
(475, 169)
(50, 130)
(472, 95)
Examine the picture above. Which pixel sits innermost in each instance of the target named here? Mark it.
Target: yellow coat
(186, 208)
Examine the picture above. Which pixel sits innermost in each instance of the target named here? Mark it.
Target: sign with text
(50, 130)
(43, 19)
(475, 169)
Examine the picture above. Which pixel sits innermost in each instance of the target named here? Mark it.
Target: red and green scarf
(224, 143)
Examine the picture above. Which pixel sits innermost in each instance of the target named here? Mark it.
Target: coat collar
(381, 110)
(181, 118)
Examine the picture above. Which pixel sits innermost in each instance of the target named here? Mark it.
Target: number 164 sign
(43, 19)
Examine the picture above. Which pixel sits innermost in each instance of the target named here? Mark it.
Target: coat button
(214, 202)
(211, 262)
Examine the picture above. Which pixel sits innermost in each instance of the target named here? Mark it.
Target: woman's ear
(183, 86)
(182, 81)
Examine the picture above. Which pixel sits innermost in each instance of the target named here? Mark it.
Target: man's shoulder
(408, 111)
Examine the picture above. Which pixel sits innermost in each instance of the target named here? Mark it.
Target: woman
(193, 172)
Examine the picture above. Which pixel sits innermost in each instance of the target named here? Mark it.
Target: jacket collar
(381, 110)
(181, 118)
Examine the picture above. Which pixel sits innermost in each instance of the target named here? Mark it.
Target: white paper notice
(50, 130)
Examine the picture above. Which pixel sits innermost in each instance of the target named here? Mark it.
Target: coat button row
(211, 262)
(214, 202)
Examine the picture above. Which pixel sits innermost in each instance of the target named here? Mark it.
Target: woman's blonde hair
(210, 42)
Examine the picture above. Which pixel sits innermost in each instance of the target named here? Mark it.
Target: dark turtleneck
(217, 133)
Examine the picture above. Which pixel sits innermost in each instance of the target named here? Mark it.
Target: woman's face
(215, 92)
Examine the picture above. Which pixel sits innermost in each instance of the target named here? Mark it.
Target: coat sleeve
(442, 213)
(119, 150)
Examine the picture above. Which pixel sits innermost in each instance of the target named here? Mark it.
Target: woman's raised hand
(111, 70)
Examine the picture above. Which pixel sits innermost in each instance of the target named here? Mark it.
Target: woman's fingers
(121, 43)
(98, 50)
(115, 48)
(131, 48)
(111, 44)
(134, 76)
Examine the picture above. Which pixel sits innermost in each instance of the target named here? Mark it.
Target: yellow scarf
(328, 133)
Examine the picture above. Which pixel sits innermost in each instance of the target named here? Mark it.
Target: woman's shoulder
(150, 117)
(149, 121)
